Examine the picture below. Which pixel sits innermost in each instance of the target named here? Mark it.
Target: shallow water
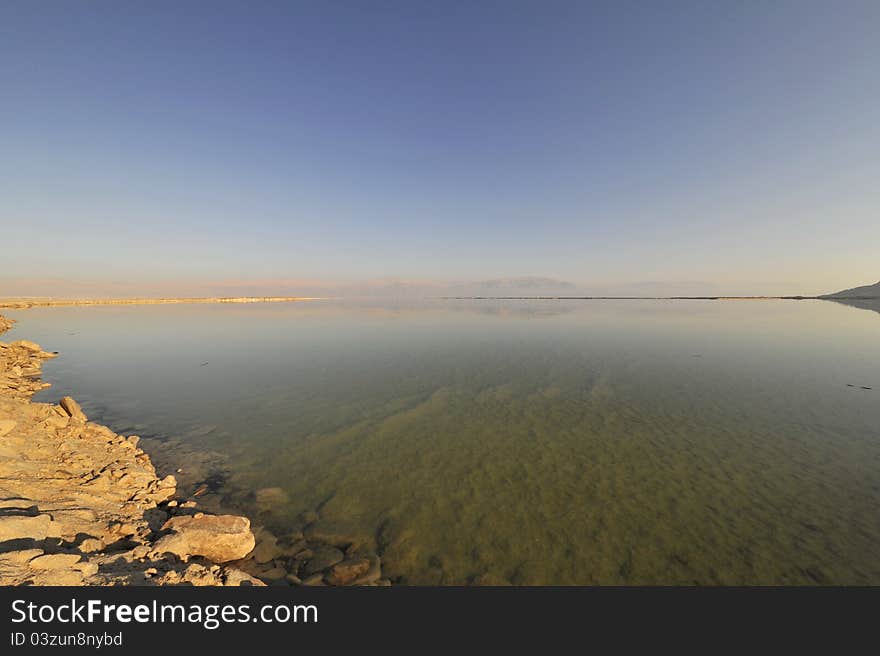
(524, 442)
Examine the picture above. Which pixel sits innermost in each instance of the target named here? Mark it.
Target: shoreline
(29, 302)
(82, 505)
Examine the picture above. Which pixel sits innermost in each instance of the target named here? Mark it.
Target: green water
(520, 442)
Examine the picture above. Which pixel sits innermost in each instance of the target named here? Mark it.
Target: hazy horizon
(240, 149)
(388, 288)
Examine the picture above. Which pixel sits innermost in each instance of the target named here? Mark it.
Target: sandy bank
(81, 505)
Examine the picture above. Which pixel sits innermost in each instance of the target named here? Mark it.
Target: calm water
(524, 442)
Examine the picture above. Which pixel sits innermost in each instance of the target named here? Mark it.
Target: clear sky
(718, 147)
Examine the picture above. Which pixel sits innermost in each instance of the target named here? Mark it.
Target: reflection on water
(524, 442)
(863, 303)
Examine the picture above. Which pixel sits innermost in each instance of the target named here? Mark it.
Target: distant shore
(635, 298)
(22, 303)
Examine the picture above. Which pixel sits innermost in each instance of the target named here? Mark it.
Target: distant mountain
(524, 283)
(866, 291)
(520, 286)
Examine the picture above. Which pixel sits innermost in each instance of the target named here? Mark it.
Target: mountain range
(863, 292)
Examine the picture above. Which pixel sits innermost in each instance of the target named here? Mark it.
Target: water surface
(523, 442)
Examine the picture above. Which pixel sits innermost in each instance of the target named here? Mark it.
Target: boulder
(323, 558)
(219, 538)
(348, 571)
(267, 547)
(235, 577)
(72, 408)
(6, 425)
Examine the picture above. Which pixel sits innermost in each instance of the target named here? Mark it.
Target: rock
(274, 574)
(90, 545)
(372, 575)
(220, 538)
(54, 421)
(323, 558)
(6, 425)
(54, 561)
(29, 345)
(86, 569)
(271, 497)
(72, 408)
(314, 579)
(140, 551)
(235, 577)
(19, 557)
(168, 481)
(328, 533)
(266, 549)
(18, 527)
(348, 571)
(309, 517)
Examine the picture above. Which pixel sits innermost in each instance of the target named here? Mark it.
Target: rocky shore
(81, 505)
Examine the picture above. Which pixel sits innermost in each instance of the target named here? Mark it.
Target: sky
(288, 147)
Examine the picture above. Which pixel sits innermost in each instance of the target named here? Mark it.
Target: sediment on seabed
(81, 505)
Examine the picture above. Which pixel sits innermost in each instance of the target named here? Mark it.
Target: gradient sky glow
(721, 147)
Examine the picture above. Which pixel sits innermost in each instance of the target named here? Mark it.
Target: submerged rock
(323, 557)
(348, 571)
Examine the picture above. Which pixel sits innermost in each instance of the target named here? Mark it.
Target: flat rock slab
(17, 527)
(54, 561)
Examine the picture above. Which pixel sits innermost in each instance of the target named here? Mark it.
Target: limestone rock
(6, 426)
(29, 345)
(72, 408)
(220, 538)
(235, 577)
(18, 527)
(54, 561)
(91, 544)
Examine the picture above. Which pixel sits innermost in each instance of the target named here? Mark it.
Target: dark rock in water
(348, 571)
(323, 558)
(341, 536)
(373, 574)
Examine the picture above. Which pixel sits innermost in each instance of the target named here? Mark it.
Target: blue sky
(728, 147)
